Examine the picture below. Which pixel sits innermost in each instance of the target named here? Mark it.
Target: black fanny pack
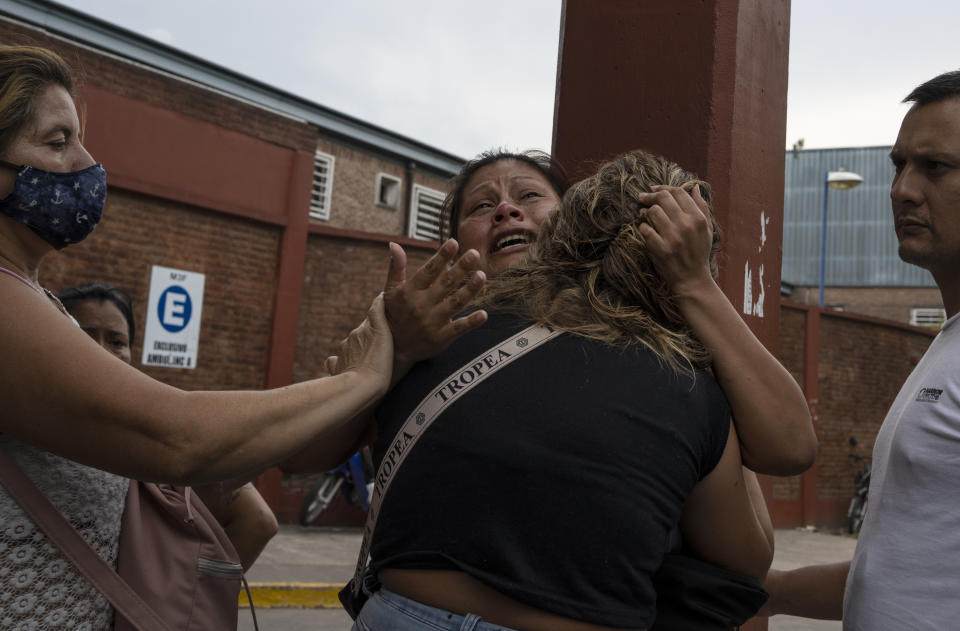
(353, 599)
(693, 595)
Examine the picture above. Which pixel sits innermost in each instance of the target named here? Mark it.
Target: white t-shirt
(905, 572)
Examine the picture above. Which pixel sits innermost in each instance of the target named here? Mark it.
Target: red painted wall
(154, 150)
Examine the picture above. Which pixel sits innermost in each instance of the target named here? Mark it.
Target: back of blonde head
(590, 274)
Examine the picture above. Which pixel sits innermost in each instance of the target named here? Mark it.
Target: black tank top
(557, 480)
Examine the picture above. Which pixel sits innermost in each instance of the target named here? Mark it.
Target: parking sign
(173, 318)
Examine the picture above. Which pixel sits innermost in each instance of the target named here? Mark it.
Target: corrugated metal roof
(80, 27)
(861, 244)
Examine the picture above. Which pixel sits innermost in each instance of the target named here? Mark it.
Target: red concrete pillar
(291, 259)
(703, 82)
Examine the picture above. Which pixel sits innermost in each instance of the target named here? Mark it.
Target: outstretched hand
(369, 347)
(679, 236)
(421, 309)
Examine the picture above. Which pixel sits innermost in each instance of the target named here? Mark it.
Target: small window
(322, 186)
(927, 316)
(388, 191)
(425, 206)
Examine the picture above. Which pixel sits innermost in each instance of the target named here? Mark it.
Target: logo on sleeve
(929, 395)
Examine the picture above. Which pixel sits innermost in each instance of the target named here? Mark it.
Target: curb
(292, 595)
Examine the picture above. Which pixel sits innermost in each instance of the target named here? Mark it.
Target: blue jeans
(386, 611)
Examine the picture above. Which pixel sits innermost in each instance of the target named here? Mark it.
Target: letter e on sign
(174, 309)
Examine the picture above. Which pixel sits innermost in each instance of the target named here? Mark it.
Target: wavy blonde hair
(589, 272)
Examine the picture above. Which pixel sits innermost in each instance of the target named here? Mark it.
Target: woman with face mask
(78, 420)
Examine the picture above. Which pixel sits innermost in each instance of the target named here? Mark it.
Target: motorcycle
(350, 479)
(858, 504)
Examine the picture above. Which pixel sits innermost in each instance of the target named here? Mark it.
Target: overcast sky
(465, 76)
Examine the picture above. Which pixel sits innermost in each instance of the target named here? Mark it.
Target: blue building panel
(861, 248)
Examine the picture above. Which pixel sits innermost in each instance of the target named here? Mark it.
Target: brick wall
(791, 356)
(890, 303)
(353, 205)
(862, 367)
(341, 278)
(792, 322)
(862, 364)
(238, 257)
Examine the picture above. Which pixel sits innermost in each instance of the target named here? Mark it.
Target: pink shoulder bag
(176, 568)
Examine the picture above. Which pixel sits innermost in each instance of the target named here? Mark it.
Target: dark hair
(589, 272)
(542, 162)
(101, 292)
(25, 71)
(939, 88)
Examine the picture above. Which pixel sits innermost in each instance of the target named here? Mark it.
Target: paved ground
(317, 555)
(326, 557)
(297, 620)
(308, 554)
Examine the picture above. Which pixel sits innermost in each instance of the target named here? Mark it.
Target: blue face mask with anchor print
(62, 208)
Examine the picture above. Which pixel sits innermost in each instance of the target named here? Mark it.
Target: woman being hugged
(545, 495)
(496, 206)
(78, 420)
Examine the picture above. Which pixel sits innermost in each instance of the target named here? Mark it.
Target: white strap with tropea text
(432, 406)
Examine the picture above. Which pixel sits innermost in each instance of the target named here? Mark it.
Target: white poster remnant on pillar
(173, 318)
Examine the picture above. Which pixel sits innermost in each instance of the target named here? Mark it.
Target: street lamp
(840, 180)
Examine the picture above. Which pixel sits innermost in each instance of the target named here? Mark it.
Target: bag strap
(45, 515)
(458, 383)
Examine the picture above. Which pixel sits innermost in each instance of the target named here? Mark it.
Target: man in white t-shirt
(905, 573)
